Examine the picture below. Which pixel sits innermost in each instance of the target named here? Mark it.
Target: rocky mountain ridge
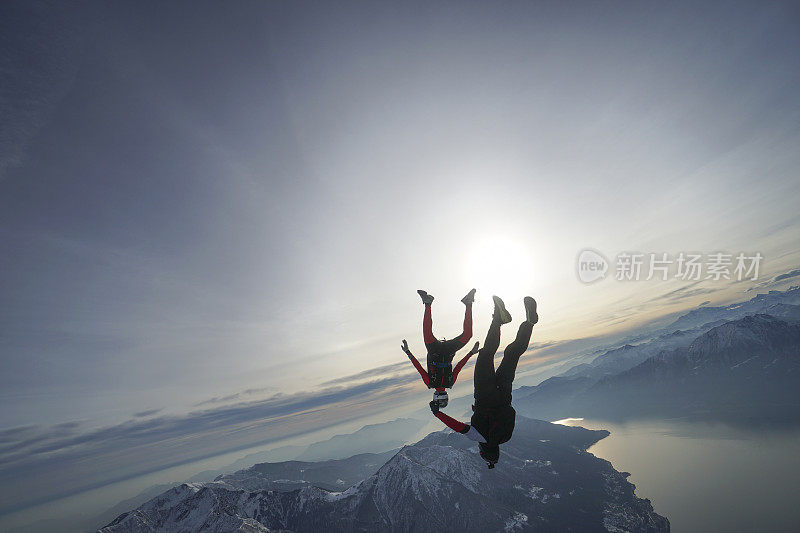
(545, 481)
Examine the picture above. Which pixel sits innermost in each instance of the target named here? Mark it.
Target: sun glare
(500, 266)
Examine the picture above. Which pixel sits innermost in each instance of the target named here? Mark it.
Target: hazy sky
(206, 205)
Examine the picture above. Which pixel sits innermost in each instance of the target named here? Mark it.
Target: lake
(708, 476)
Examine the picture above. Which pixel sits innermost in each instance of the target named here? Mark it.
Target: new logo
(592, 266)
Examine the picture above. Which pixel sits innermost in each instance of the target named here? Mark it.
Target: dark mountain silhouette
(545, 481)
(743, 369)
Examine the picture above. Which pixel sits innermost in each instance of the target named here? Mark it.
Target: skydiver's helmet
(490, 453)
(440, 397)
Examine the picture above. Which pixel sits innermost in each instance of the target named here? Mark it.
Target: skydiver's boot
(530, 310)
(500, 313)
(469, 298)
(427, 299)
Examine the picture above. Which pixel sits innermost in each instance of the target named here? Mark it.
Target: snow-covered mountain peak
(440, 484)
(762, 334)
(447, 461)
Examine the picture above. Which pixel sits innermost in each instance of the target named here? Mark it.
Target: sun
(501, 266)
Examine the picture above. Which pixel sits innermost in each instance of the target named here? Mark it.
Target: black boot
(530, 310)
(427, 299)
(500, 313)
(469, 298)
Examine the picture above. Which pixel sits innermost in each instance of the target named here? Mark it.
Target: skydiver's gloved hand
(434, 406)
(404, 347)
(475, 349)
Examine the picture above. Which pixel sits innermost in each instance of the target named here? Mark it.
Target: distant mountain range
(740, 362)
(383, 438)
(371, 438)
(770, 303)
(332, 475)
(545, 481)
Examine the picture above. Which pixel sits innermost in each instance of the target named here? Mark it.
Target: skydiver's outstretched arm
(464, 360)
(416, 364)
(460, 427)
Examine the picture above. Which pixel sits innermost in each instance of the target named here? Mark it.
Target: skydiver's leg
(512, 353)
(485, 382)
(466, 333)
(453, 345)
(427, 327)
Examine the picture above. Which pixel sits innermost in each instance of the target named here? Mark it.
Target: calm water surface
(708, 477)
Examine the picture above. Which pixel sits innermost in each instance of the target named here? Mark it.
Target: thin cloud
(11, 434)
(148, 412)
(61, 438)
(403, 368)
(682, 293)
(776, 280)
(31, 455)
(543, 345)
(787, 275)
(30, 436)
(236, 396)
